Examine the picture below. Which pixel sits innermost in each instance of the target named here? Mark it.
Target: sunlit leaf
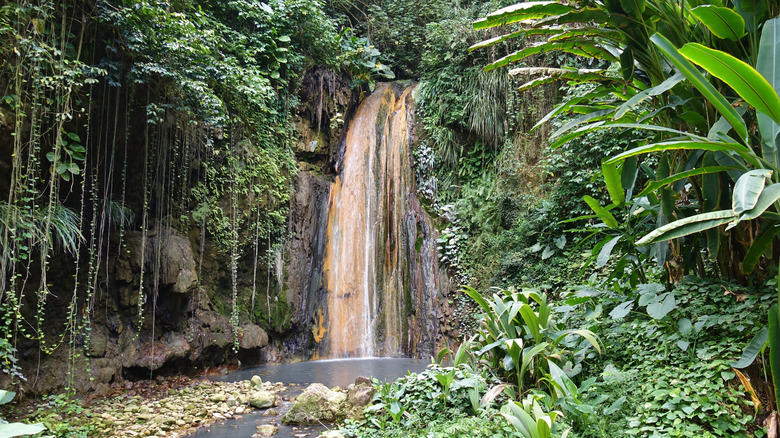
(724, 23)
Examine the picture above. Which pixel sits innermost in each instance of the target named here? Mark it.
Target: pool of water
(333, 372)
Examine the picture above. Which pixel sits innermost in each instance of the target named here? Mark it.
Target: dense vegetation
(641, 240)
(619, 186)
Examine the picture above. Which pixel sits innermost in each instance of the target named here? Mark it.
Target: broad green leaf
(586, 49)
(20, 429)
(660, 309)
(543, 428)
(585, 118)
(6, 396)
(521, 12)
(560, 242)
(647, 298)
(606, 251)
(627, 64)
(587, 334)
(628, 175)
(587, 129)
(622, 310)
(768, 196)
(748, 188)
(650, 288)
(580, 16)
(678, 145)
(612, 179)
(663, 87)
(476, 296)
(740, 76)
(655, 185)
(566, 105)
(683, 345)
(688, 225)
(759, 245)
(601, 212)
(724, 23)
(567, 32)
(547, 253)
(531, 320)
(702, 84)
(751, 351)
(529, 354)
(685, 326)
(615, 406)
(768, 64)
(496, 40)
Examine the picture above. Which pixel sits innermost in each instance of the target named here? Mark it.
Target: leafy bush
(674, 371)
(435, 402)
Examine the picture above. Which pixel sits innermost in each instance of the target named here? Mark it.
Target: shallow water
(332, 372)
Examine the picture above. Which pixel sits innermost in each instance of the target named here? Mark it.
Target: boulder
(262, 399)
(359, 397)
(317, 404)
(153, 355)
(252, 336)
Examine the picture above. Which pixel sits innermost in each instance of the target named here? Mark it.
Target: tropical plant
(518, 335)
(529, 419)
(361, 59)
(16, 429)
(636, 38)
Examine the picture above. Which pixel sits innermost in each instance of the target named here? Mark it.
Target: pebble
(173, 413)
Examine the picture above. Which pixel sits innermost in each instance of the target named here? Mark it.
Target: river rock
(267, 430)
(256, 382)
(262, 399)
(317, 404)
(332, 434)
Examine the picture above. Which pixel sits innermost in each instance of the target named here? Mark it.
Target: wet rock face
(327, 102)
(303, 259)
(167, 253)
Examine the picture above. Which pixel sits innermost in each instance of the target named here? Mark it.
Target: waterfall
(380, 271)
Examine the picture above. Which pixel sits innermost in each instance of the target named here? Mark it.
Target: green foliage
(529, 418)
(699, 395)
(360, 58)
(62, 414)
(520, 337)
(172, 113)
(16, 429)
(421, 405)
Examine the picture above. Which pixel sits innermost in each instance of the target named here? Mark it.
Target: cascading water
(380, 272)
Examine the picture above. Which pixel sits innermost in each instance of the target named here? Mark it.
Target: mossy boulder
(262, 399)
(359, 397)
(317, 404)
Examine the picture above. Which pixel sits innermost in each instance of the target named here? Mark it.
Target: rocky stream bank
(180, 407)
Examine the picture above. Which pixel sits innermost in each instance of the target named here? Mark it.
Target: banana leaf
(702, 84)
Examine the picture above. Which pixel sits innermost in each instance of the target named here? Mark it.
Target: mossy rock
(317, 404)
